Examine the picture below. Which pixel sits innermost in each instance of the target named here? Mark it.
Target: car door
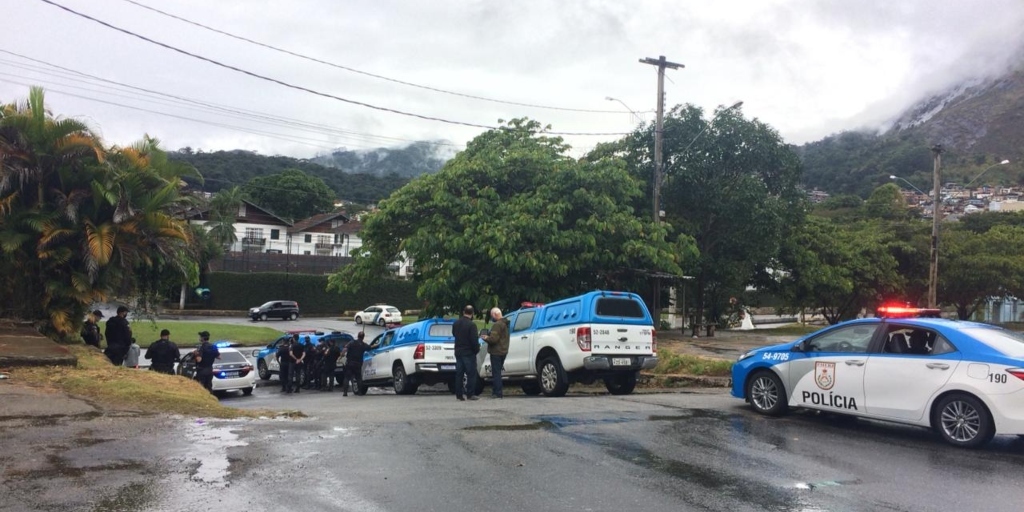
(827, 372)
(378, 366)
(271, 358)
(519, 360)
(277, 310)
(187, 367)
(900, 380)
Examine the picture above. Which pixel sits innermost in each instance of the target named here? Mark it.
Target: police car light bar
(531, 304)
(905, 312)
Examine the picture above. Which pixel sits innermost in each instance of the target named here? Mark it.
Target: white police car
(965, 380)
(231, 371)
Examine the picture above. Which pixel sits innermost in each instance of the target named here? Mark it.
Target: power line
(298, 87)
(201, 106)
(366, 73)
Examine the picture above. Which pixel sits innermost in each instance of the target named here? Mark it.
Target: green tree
(974, 267)
(512, 218)
(223, 209)
(79, 223)
(291, 194)
(731, 184)
(886, 202)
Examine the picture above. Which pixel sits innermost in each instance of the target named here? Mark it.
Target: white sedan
(380, 314)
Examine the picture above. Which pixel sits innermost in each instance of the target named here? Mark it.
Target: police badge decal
(824, 375)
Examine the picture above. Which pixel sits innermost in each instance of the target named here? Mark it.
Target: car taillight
(1016, 372)
(419, 352)
(583, 338)
(654, 340)
(247, 368)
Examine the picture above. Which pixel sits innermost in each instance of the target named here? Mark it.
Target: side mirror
(256, 353)
(799, 347)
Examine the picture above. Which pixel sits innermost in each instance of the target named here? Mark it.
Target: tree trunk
(181, 300)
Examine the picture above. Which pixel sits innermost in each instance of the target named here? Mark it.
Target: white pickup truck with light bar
(599, 335)
(411, 355)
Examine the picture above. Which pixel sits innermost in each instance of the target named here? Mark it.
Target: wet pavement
(693, 450)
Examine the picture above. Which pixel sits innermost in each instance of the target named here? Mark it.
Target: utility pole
(933, 269)
(659, 130)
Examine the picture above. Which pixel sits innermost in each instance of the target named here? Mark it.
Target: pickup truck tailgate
(621, 339)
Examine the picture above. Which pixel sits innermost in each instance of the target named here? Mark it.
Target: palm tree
(223, 210)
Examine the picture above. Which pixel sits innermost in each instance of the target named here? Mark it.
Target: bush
(238, 291)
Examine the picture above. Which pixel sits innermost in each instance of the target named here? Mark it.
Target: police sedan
(231, 371)
(965, 380)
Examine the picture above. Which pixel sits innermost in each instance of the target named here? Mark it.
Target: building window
(275, 234)
(336, 223)
(241, 209)
(305, 252)
(254, 233)
(323, 239)
(308, 239)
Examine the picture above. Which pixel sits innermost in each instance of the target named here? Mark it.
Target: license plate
(621, 361)
(230, 375)
(447, 366)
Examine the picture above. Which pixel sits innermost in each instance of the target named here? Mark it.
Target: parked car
(283, 309)
(380, 314)
(231, 371)
(421, 353)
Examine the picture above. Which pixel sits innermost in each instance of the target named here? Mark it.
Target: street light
(894, 177)
(637, 118)
(1004, 162)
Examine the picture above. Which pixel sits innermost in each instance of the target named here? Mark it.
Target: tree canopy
(513, 218)
(291, 194)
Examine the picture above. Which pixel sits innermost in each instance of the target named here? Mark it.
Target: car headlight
(745, 355)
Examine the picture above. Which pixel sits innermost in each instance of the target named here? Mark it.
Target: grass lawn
(186, 334)
(114, 387)
(789, 330)
(671, 363)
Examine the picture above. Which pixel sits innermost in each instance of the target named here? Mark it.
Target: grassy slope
(118, 388)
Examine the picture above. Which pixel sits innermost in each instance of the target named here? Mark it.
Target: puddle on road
(539, 425)
(210, 448)
(810, 486)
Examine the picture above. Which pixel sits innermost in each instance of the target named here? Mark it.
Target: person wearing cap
(205, 356)
(164, 353)
(91, 329)
(119, 336)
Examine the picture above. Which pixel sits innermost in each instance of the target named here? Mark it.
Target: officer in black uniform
(206, 354)
(164, 353)
(313, 352)
(353, 354)
(329, 362)
(284, 361)
(298, 355)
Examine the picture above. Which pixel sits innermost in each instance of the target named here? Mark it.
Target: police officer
(164, 353)
(284, 361)
(205, 356)
(119, 336)
(298, 356)
(329, 362)
(353, 354)
(91, 330)
(312, 380)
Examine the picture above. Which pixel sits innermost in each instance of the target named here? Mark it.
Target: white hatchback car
(380, 314)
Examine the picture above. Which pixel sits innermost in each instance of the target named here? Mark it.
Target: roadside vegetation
(789, 330)
(185, 334)
(670, 363)
(118, 388)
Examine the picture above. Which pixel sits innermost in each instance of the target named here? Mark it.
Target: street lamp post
(1004, 162)
(636, 117)
(919, 191)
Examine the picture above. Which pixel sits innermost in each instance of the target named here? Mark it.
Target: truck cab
(600, 335)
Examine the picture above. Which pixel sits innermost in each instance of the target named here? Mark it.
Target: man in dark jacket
(119, 337)
(298, 355)
(284, 362)
(497, 348)
(353, 355)
(329, 364)
(164, 353)
(206, 355)
(91, 330)
(467, 346)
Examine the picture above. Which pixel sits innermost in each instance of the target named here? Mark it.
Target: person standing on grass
(131, 360)
(467, 346)
(497, 348)
(91, 329)
(164, 353)
(119, 336)
(205, 356)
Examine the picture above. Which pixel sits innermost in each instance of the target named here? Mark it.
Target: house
(257, 229)
(325, 234)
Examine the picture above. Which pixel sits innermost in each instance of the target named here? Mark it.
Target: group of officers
(307, 366)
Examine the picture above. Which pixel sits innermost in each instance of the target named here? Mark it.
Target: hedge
(241, 291)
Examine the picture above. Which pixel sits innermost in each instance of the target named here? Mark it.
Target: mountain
(224, 169)
(423, 157)
(979, 122)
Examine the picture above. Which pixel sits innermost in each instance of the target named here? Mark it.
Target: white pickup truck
(406, 357)
(598, 335)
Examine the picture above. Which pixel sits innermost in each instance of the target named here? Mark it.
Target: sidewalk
(22, 345)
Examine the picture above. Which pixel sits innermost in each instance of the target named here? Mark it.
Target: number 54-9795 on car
(965, 380)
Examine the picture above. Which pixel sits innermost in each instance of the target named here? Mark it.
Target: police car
(965, 380)
(421, 353)
(266, 357)
(231, 371)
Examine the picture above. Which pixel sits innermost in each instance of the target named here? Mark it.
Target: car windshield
(1007, 342)
(231, 358)
(620, 307)
(393, 310)
(266, 305)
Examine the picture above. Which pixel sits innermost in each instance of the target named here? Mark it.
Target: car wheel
(359, 320)
(553, 380)
(294, 316)
(622, 384)
(766, 393)
(400, 380)
(361, 389)
(531, 388)
(247, 391)
(962, 420)
(380, 322)
(262, 370)
(263, 317)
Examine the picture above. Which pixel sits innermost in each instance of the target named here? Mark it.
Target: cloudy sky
(809, 68)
